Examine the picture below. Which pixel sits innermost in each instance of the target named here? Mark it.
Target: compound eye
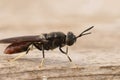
(70, 38)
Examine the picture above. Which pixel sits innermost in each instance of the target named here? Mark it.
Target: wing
(36, 38)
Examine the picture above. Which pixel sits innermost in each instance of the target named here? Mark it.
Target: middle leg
(42, 61)
(40, 46)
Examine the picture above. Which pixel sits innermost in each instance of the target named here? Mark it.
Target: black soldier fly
(42, 42)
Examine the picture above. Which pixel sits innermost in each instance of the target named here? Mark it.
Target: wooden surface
(33, 17)
(88, 67)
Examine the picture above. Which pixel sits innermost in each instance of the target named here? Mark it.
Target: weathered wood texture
(27, 68)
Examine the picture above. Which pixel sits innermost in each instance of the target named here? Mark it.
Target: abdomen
(17, 47)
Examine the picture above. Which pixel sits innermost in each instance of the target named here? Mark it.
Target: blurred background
(33, 17)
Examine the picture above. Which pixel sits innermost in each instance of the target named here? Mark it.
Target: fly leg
(22, 54)
(66, 53)
(40, 46)
(42, 61)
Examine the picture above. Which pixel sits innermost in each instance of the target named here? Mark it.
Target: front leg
(66, 53)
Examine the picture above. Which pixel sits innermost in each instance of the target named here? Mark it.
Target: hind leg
(19, 56)
(22, 54)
